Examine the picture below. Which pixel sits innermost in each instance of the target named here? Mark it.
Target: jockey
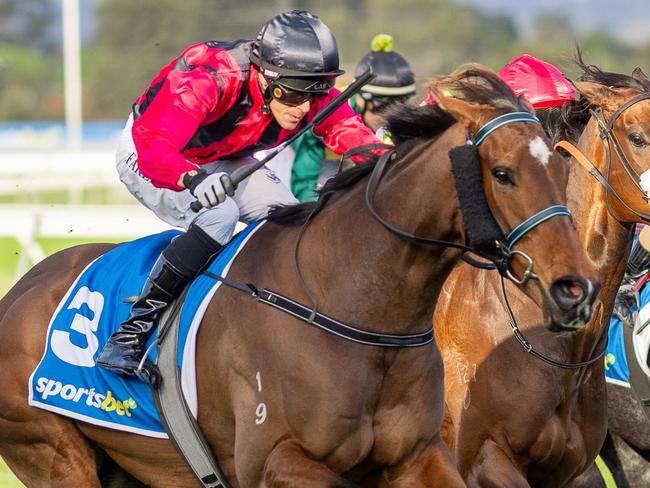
(202, 116)
(394, 82)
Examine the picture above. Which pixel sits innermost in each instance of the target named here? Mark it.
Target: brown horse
(338, 413)
(511, 419)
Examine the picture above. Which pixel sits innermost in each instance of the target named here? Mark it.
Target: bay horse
(338, 413)
(511, 419)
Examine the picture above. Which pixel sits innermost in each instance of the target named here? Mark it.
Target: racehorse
(337, 412)
(512, 419)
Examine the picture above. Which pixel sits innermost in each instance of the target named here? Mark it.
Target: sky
(626, 20)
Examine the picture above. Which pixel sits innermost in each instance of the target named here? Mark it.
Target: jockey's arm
(344, 129)
(169, 123)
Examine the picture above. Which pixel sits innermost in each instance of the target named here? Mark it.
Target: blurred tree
(133, 40)
(30, 23)
(31, 85)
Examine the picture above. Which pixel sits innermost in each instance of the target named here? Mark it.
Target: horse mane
(472, 82)
(568, 122)
(297, 214)
(409, 124)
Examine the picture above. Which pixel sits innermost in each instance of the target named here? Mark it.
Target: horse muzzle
(573, 299)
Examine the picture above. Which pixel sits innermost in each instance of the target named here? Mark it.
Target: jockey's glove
(210, 189)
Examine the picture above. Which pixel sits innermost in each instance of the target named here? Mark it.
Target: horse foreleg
(288, 465)
(434, 466)
(494, 469)
(49, 452)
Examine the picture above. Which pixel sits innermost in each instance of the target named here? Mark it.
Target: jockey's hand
(209, 188)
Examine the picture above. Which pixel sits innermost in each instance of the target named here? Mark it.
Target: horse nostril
(569, 292)
(573, 290)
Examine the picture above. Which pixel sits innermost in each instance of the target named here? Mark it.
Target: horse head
(524, 182)
(619, 106)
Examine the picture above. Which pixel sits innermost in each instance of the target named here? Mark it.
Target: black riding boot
(178, 264)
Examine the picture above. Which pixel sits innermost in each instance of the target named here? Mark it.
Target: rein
(329, 324)
(529, 347)
(504, 251)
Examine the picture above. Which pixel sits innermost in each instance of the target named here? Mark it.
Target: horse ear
(639, 75)
(599, 95)
(468, 114)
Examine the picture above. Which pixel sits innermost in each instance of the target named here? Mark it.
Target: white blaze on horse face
(644, 182)
(539, 149)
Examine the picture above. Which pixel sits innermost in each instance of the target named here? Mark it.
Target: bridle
(502, 253)
(606, 132)
(503, 247)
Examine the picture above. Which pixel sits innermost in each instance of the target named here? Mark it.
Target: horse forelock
(473, 83)
(478, 84)
(566, 122)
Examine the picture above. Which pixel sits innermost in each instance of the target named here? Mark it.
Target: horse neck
(393, 281)
(605, 239)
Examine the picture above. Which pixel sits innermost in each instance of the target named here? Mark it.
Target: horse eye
(637, 139)
(502, 176)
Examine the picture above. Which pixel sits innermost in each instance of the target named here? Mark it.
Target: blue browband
(502, 120)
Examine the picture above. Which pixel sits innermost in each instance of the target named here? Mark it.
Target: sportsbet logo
(107, 402)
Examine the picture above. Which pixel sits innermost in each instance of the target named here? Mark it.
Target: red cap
(539, 82)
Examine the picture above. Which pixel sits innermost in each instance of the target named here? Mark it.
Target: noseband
(501, 253)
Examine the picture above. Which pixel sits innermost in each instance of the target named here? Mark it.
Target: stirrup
(149, 372)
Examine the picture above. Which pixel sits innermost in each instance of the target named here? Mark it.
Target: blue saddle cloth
(67, 380)
(616, 361)
(616, 367)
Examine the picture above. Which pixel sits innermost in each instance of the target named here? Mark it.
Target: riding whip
(230, 182)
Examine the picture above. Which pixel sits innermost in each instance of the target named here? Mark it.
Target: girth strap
(326, 323)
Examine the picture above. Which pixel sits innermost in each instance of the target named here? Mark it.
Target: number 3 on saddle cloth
(627, 358)
(67, 380)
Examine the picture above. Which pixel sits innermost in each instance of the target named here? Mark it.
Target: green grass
(7, 479)
(88, 195)
(10, 254)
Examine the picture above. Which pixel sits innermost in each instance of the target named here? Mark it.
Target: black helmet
(393, 75)
(298, 50)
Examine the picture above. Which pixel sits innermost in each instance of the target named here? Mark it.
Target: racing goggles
(308, 90)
